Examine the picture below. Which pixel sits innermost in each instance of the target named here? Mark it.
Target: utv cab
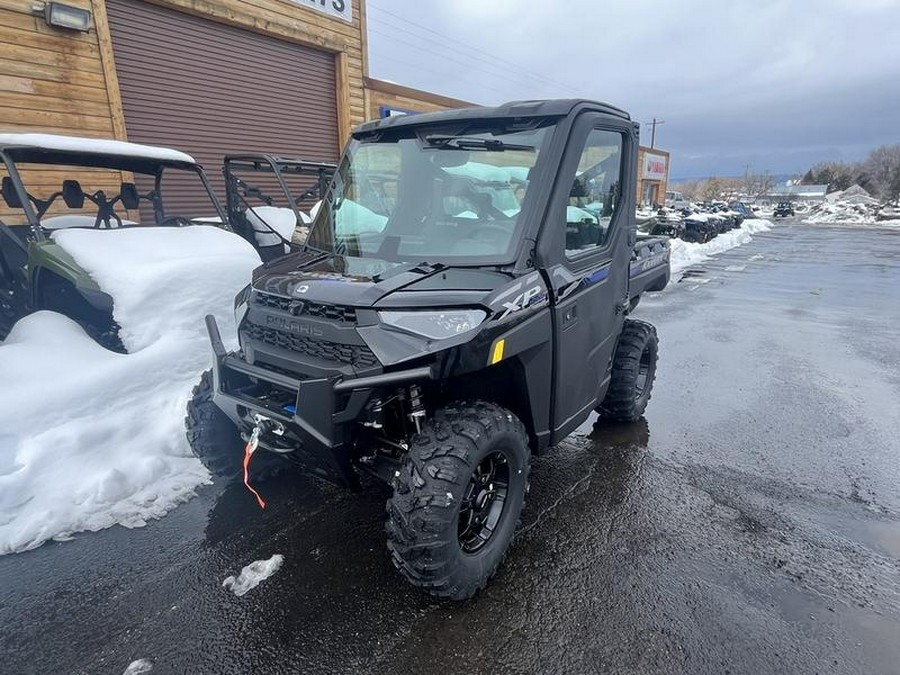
(460, 306)
(119, 186)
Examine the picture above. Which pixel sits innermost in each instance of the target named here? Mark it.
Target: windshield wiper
(469, 143)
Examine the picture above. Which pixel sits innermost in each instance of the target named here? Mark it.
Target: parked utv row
(448, 302)
(698, 223)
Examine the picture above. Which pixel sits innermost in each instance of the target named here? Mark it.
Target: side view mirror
(129, 196)
(10, 196)
(72, 194)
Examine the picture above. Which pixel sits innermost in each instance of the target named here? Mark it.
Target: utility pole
(653, 131)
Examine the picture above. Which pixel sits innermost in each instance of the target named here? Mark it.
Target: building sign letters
(342, 9)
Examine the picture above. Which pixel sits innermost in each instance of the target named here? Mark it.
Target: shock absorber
(416, 408)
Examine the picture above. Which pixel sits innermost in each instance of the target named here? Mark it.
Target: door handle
(570, 316)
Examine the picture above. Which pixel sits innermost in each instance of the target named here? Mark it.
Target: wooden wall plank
(14, 51)
(37, 71)
(64, 92)
(108, 64)
(47, 118)
(344, 104)
(30, 101)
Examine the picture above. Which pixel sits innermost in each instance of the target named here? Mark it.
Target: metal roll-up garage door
(210, 89)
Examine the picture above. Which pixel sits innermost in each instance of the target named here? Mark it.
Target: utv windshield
(429, 195)
(63, 196)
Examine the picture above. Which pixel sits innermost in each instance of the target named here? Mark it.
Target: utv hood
(374, 283)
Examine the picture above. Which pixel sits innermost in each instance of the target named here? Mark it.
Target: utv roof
(94, 152)
(513, 109)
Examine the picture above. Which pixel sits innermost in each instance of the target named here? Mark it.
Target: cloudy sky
(772, 84)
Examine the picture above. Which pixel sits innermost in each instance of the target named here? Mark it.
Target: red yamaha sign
(654, 166)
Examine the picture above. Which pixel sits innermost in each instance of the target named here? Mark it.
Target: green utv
(460, 305)
(36, 272)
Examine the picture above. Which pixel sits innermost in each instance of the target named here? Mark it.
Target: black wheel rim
(644, 368)
(483, 502)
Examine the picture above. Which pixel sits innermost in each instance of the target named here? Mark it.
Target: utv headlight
(240, 304)
(435, 325)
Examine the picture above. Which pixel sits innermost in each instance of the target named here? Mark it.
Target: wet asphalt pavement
(750, 525)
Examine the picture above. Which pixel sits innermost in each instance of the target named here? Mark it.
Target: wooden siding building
(209, 77)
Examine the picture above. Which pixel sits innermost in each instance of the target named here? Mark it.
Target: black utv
(460, 305)
(783, 210)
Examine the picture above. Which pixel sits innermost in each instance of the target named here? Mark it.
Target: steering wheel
(494, 231)
(177, 221)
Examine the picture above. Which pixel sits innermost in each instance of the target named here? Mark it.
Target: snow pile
(852, 195)
(842, 211)
(160, 278)
(253, 574)
(90, 438)
(139, 667)
(685, 254)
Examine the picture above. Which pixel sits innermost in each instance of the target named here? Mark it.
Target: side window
(596, 192)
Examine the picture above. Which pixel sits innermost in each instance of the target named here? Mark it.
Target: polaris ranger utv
(460, 306)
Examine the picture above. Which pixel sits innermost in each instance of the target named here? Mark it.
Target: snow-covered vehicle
(271, 199)
(676, 200)
(122, 186)
(698, 227)
(743, 208)
(668, 223)
(433, 334)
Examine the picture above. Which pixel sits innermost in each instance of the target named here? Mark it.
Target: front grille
(297, 307)
(358, 356)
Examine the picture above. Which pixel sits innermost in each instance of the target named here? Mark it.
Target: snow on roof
(100, 146)
(799, 191)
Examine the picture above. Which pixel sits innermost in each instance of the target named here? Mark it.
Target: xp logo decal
(523, 300)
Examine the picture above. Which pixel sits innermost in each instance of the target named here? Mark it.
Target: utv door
(592, 207)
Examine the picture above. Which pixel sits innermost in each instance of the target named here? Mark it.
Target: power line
(417, 66)
(445, 57)
(565, 86)
(475, 61)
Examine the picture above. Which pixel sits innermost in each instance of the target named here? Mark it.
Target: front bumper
(318, 415)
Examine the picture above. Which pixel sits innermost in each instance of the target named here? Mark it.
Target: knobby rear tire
(630, 387)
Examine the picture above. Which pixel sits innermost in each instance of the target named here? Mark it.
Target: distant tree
(881, 167)
(836, 175)
(689, 188)
(712, 189)
(877, 174)
(893, 188)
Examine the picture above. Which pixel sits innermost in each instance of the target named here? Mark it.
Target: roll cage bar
(238, 191)
(16, 195)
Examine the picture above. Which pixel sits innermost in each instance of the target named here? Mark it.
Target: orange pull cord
(248, 454)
